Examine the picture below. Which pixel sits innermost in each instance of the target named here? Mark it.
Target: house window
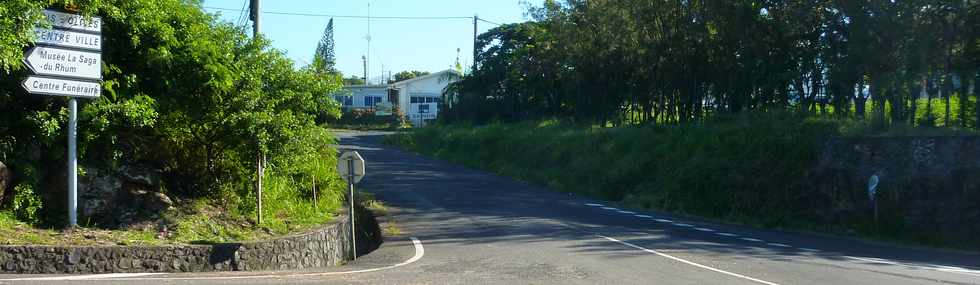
(415, 99)
(370, 101)
(424, 109)
(345, 100)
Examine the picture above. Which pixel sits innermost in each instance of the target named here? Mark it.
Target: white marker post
(77, 69)
(351, 168)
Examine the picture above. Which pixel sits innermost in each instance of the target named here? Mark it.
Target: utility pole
(364, 60)
(475, 19)
(254, 13)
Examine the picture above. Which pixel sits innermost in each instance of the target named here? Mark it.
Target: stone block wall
(327, 246)
(929, 186)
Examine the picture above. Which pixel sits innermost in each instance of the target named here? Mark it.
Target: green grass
(749, 169)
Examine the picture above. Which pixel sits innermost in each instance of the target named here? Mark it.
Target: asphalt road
(463, 226)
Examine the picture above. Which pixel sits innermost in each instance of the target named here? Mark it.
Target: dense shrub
(183, 93)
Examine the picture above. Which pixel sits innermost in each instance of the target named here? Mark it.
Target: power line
(345, 16)
(489, 22)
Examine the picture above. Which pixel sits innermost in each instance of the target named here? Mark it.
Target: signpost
(68, 62)
(351, 168)
(873, 193)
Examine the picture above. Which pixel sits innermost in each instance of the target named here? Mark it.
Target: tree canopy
(639, 62)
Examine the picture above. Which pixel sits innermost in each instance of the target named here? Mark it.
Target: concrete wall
(327, 246)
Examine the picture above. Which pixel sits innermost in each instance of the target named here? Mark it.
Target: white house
(362, 96)
(418, 97)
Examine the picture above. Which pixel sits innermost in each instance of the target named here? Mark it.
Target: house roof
(424, 77)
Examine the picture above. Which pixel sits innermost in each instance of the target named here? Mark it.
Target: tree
(353, 80)
(325, 60)
(406, 75)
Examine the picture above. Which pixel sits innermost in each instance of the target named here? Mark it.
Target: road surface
(463, 226)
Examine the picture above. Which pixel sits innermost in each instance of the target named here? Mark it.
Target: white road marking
(594, 205)
(85, 277)
(688, 262)
(682, 225)
(808, 249)
(726, 234)
(643, 216)
(778, 244)
(626, 212)
(751, 239)
(664, 221)
(419, 253)
(704, 230)
(941, 268)
(610, 208)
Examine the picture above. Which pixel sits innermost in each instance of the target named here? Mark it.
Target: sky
(396, 44)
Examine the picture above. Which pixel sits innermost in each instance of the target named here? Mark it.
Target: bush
(26, 204)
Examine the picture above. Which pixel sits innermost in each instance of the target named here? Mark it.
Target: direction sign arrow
(74, 21)
(62, 87)
(63, 62)
(68, 39)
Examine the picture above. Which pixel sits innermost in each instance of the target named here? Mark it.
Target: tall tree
(325, 60)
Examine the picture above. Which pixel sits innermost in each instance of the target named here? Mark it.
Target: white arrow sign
(63, 62)
(74, 21)
(68, 39)
(62, 87)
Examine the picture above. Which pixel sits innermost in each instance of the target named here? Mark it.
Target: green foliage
(183, 93)
(324, 61)
(649, 62)
(353, 80)
(406, 75)
(26, 204)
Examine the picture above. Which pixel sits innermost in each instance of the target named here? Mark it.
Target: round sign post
(350, 165)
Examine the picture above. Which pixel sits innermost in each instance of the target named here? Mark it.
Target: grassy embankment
(748, 169)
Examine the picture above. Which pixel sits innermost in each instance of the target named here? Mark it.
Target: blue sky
(396, 45)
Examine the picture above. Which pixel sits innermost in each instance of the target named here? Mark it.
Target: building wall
(358, 93)
(430, 87)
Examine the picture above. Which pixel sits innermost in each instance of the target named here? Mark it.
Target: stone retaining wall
(929, 186)
(327, 246)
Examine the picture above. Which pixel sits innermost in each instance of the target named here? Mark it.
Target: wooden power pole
(254, 15)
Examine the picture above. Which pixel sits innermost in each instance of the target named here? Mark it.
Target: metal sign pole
(72, 164)
(350, 183)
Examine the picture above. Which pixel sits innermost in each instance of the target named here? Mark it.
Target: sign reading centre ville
(68, 39)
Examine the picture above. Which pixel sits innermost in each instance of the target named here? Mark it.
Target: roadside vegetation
(191, 101)
(715, 108)
(753, 169)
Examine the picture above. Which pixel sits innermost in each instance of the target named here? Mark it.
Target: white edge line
(809, 249)
(594, 205)
(85, 277)
(889, 262)
(705, 230)
(752, 239)
(626, 212)
(664, 221)
(727, 234)
(419, 253)
(688, 262)
(682, 225)
(643, 216)
(778, 244)
(610, 208)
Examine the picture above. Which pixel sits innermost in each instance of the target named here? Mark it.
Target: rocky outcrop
(119, 198)
(6, 179)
